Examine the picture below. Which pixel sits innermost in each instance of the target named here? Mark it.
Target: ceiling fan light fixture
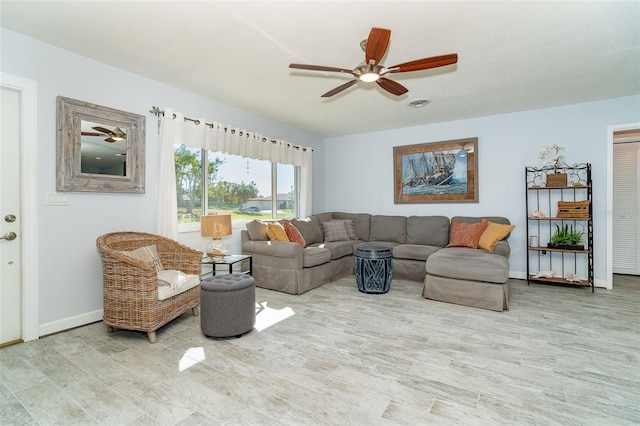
(369, 77)
(118, 134)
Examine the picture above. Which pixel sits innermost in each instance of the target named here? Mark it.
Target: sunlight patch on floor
(191, 357)
(266, 316)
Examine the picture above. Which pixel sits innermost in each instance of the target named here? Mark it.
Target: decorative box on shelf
(573, 209)
(556, 180)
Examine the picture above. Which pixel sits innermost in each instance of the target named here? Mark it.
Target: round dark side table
(373, 269)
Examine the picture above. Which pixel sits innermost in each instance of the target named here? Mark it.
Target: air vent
(419, 103)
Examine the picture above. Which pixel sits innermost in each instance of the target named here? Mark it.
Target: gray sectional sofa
(457, 275)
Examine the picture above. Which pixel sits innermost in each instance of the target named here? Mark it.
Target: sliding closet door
(626, 210)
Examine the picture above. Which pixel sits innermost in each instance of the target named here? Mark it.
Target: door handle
(9, 236)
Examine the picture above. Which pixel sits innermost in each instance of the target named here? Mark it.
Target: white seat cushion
(172, 282)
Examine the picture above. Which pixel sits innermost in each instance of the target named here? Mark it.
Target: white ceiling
(513, 56)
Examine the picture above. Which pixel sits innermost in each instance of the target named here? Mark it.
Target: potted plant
(552, 157)
(567, 237)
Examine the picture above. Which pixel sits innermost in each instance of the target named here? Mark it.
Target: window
(230, 184)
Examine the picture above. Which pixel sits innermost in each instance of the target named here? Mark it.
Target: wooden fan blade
(320, 68)
(426, 63)
(377, 44)
(92, 134)
(103, 130)
(111, 140)
(340, 88)
(391, 86)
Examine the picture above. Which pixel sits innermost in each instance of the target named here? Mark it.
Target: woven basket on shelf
(573, 209)
(555, 180)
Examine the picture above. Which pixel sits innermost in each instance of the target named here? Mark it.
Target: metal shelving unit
(545, 199)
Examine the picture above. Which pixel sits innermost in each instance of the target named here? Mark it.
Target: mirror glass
(99, 149)
(103, 149)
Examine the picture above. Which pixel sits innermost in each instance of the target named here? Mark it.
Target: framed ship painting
(438, 172)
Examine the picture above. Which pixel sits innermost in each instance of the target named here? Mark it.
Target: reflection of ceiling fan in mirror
(114, 135)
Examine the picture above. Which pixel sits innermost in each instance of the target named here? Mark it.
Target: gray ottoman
(228, 305)
(468, 277)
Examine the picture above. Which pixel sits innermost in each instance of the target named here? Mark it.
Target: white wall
(359, 168)
(70, 272)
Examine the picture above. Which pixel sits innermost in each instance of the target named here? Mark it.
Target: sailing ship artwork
(443, 171)
(438, 172)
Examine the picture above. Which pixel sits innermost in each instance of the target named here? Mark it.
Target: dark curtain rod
(157, 112)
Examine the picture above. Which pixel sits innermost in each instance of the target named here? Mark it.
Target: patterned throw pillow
(348, 225)
(146, 254)
(334, 231)
(276, 232)
(466, 234)
(494, 233)
(293, 234)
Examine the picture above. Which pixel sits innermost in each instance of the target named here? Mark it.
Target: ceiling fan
(114, 135)
(371, 70)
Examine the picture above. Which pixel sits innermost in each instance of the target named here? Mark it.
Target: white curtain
(167, 220)
(217, 137)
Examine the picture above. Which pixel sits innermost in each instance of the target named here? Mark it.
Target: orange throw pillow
(494, 233)
(293, 234)
(276, 232)
(466, 234)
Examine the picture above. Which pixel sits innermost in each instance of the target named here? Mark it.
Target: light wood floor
(558, 356)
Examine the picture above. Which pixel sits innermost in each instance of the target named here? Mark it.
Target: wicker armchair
(130, 290)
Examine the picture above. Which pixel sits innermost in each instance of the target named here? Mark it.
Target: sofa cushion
(428, 230)
(414, 251)
(361, 223)
(466, 234)
(312, 256)
(293, 234)
(257, 230)
(494, 233)
(386, 244)
(309, 228)
(388, 228)
(339, 248)
(324, 217)
(468, 264)
(276, 232)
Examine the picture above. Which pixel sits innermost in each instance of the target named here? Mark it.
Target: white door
(10, 218)
(626, 206)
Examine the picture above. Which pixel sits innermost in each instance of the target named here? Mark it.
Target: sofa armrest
(272, 248)
(502, 248)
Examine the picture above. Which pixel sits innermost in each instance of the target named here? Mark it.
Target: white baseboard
(518, 275)
(68, 323)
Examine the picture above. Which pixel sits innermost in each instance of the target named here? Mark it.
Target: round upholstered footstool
(227, 305)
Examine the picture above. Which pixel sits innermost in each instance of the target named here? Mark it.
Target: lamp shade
(215, 226)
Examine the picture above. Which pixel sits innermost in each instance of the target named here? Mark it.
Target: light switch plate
(56, 199)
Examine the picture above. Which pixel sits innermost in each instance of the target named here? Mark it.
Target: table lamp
(216, 227)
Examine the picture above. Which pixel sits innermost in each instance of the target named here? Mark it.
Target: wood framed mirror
(99, 149)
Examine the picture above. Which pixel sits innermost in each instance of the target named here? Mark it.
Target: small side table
(373, 269)
(228, 260)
